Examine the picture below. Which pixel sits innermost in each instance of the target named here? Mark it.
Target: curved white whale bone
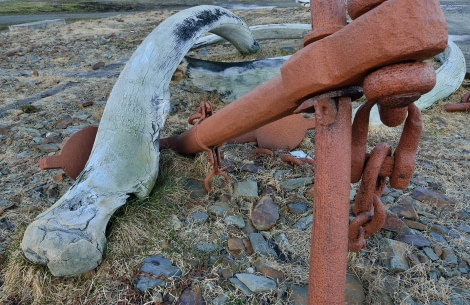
(263, 31)
(70, 236)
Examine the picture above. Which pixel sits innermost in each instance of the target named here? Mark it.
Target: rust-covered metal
(74, 154)
(464, 104)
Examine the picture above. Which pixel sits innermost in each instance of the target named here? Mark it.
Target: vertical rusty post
(329, 245)
(328, 16)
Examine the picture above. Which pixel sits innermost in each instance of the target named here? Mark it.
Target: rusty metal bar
(329, 245)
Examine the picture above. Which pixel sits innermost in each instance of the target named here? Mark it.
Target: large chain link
(374, 168)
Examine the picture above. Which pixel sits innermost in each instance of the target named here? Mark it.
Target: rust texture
(329, 246)
(328, 16)
(285, 133)
(464, 105)
(74, 154)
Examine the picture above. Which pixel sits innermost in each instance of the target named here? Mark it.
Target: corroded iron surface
(74, 155)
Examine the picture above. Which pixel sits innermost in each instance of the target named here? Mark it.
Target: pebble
(414, 240)
(239, 284)
(297, 208)
(64, 122)
(405, 209)
(354, 291)
(304, 222)
(438, 238)
(295, 183)
(156, 265)
(415, 225)
(236, 220)
(299, 295)
(430, 253)
(247, 189)
(176, 224)
(196, 188)
(208, 248)
(265, 214)
(432, 198)
(260, 245)
(393, 223)
(220, 209)
(235, 246)
(191, 296)
(197, 218)
(256, 283)
(48, 147)
(393, 255)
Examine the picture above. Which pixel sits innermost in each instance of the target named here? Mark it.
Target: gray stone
(438, 238)
(464, 228)
(394, 255)
(297, 208)
(197, 218)
(221, 299)
(208, 248)
(433, 198)
(449, 257)
(443, 230)
(260, 245)
(265, 214)
(304, 222)
(295, 183)
(237, 283)
(414, 240)
(299, 295)
(354, 294)
(430, 253)
(235, 220)
(196, 188)
(220, 209)
(256, 283)
(405, 208)
(247, 189)
(157, 266)
(48, 147)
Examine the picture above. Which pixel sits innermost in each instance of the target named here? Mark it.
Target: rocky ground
(246, 243)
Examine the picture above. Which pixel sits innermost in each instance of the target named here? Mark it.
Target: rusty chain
(214, 154)
(374, 168)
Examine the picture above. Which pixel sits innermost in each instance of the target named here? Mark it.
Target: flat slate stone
(394, 255)
(247, 189)
(235, 220)
(198, 218)
(295, 183)
(256, 283)
(414, 240)
(260, 245)
(304, 222)
(239, 284)
(156, 265)
(297, 208)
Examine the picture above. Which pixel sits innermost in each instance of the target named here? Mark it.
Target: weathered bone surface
(70, 236)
